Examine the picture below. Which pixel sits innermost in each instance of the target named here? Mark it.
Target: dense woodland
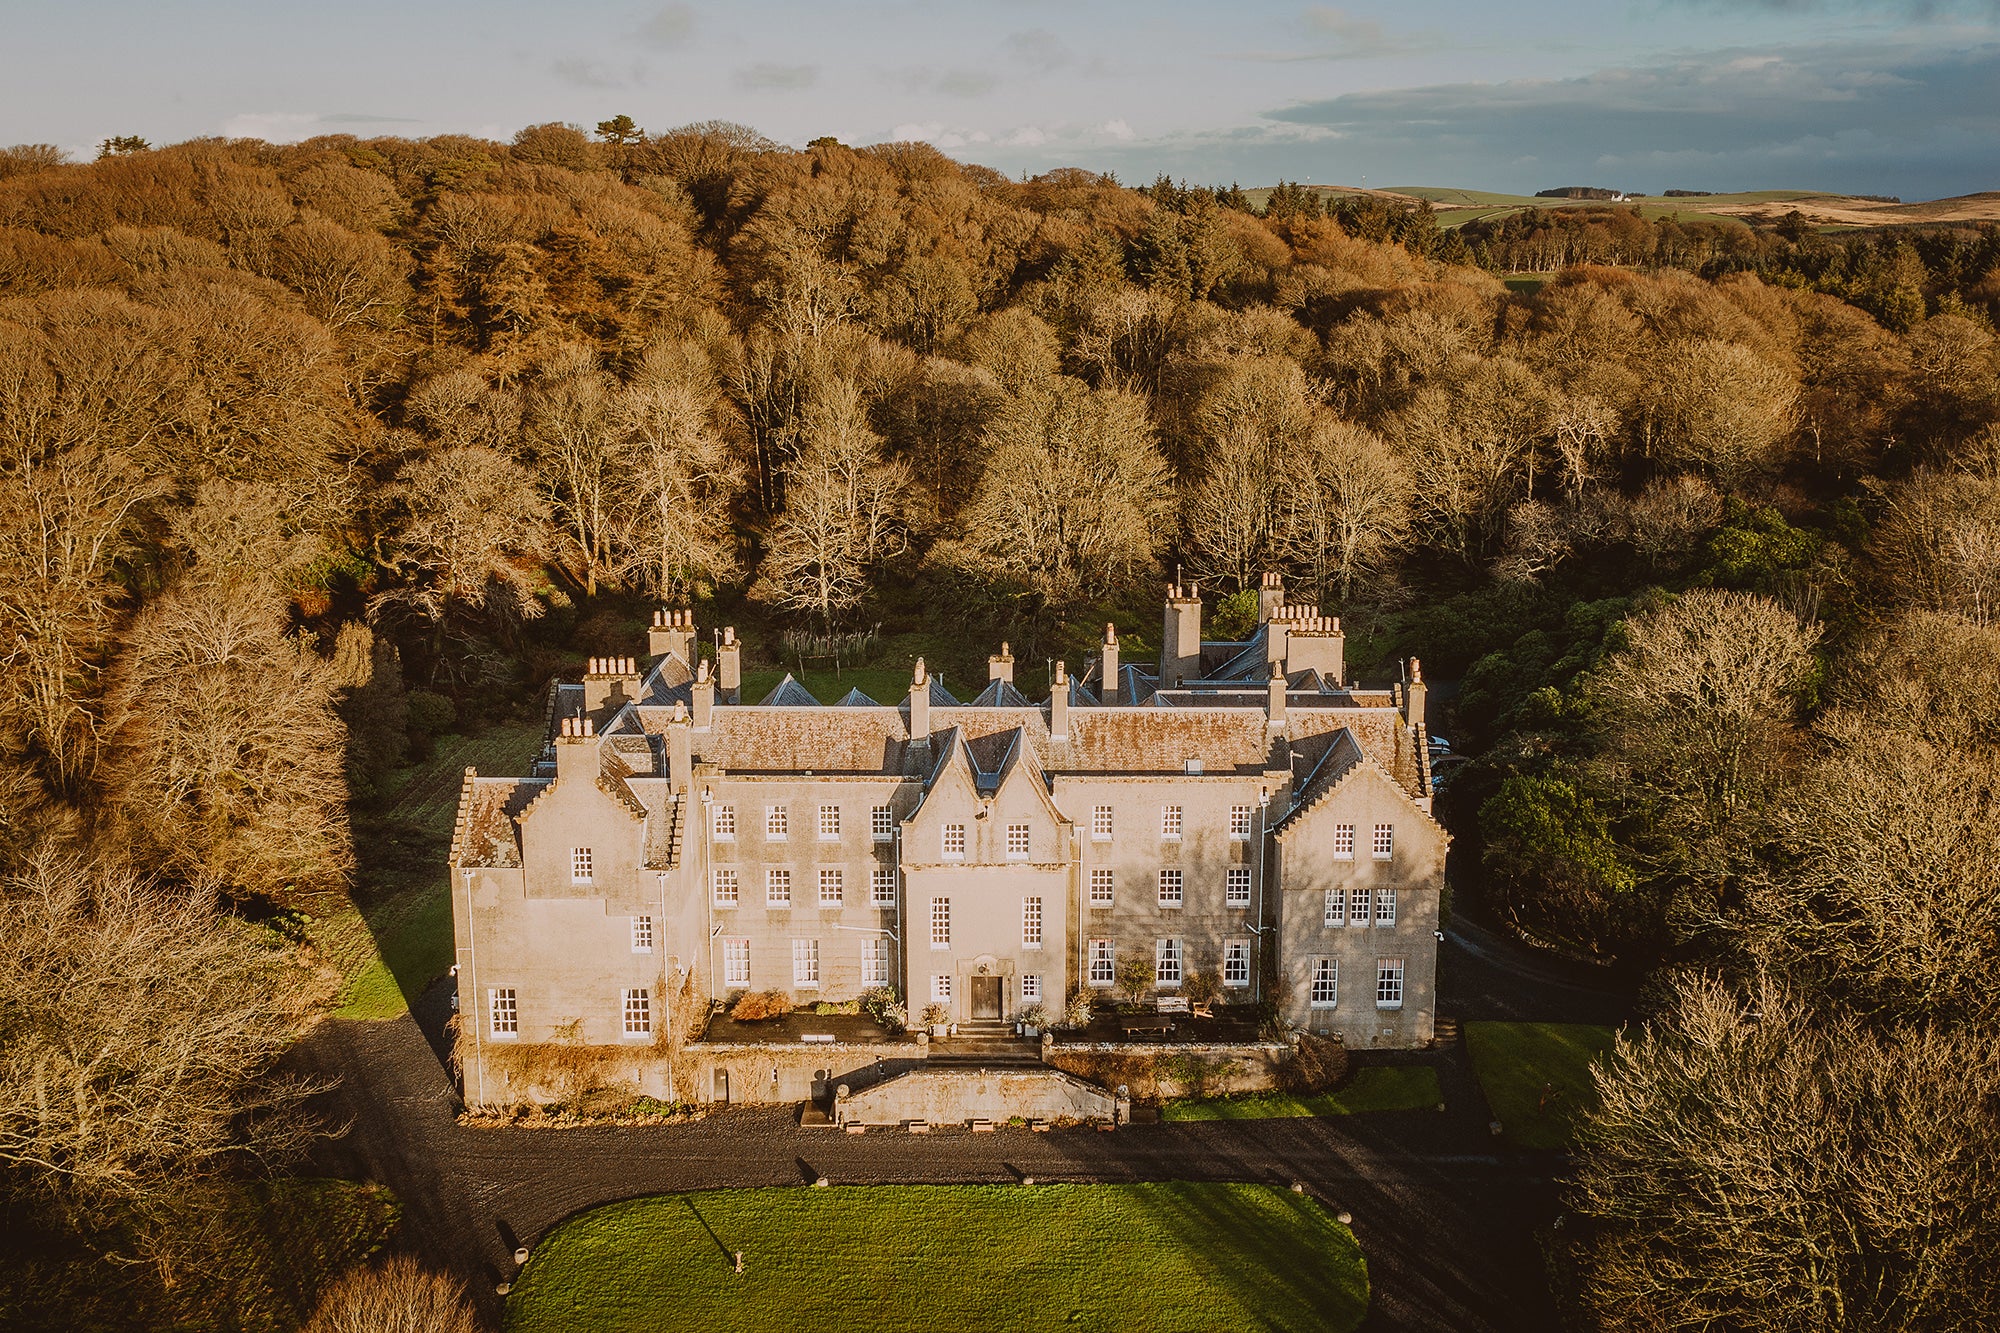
(310, 451)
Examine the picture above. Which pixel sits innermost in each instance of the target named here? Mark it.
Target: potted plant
(1080, 1010)
(1033, 1019)
(938, 1019)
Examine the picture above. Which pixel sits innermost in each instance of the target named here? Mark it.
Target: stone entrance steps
(985, 1045)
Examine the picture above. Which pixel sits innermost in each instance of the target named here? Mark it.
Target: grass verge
(1374, 1088)
(1536, 1076)
(1095, 1258)
(392, 945)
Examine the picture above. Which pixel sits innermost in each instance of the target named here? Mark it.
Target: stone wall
(955, 1096)
(750, 1073)
(1172, 1070)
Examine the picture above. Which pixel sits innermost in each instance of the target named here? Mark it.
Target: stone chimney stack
(1316, 643)
(704, 696)
(729, 667)
(1108, 685)
(576, 751)
(1270, 597)
(610, 683)
(1275, 700)
(672, 632)
(1277, 635)
(1059, 703)
(1413, 695)
(1000, 666)
(920, 702)
(680, 748)
(1180, 640)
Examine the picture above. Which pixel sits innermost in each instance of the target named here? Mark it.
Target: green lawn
(1536, 1076)
(1375, 1088)
(393, 946)
(1102, 1258)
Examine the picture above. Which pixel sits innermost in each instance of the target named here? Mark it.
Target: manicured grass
(1536, 1076)
(1101, 1258)
(391, 948)
(1376, 1088)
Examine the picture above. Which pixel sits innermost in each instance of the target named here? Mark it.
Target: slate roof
(856, 699)
(998, 694)
(788, 693)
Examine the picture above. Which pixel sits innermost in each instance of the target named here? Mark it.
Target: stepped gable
(487, 833)
(788, 693)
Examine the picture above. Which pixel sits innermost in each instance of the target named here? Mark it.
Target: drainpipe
(472, 957)
(1263, 873)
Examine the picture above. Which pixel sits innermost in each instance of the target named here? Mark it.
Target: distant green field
(1164, 1258)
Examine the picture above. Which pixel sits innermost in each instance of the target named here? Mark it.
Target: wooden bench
(1133, 1025)
(1172, 1004)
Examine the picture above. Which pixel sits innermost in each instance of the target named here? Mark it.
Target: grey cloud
(355, 118)
(582, 73)
(1917, 10)
(1838, 116)
(1917, 121)
(949, 82)
(1038, 48)
(668, 29)
(767, 76)
(1335, 34)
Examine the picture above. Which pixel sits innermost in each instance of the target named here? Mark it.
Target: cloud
(1038, 48)
(767, 76)
(292, 126)
(669, 29)
(1842, 116)
(1335, 34)
(1115, 129)
(581, 73)
(1915, 10)
(949, 82)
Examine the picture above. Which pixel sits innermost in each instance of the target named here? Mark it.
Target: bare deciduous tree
(1756, 1165)
(684, 474)
(1346, 499)
(141, 1035)
(1076, 497)
(468, 530)
(847, 509)
(398, 1295)
(1697, 712)
(1939, 539)
(1720, 407)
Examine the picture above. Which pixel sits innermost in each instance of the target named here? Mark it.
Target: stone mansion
(1243, 809)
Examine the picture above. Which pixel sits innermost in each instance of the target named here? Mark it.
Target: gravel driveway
(1445, 1216)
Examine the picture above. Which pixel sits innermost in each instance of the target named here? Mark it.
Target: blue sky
(1894, 96)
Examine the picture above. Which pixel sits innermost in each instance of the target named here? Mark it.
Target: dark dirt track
(1445, 1215)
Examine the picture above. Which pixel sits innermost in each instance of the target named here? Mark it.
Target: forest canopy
(307, 450)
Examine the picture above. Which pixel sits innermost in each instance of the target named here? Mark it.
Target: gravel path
(1445, 1216)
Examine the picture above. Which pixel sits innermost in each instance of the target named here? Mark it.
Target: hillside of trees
(311, 449)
